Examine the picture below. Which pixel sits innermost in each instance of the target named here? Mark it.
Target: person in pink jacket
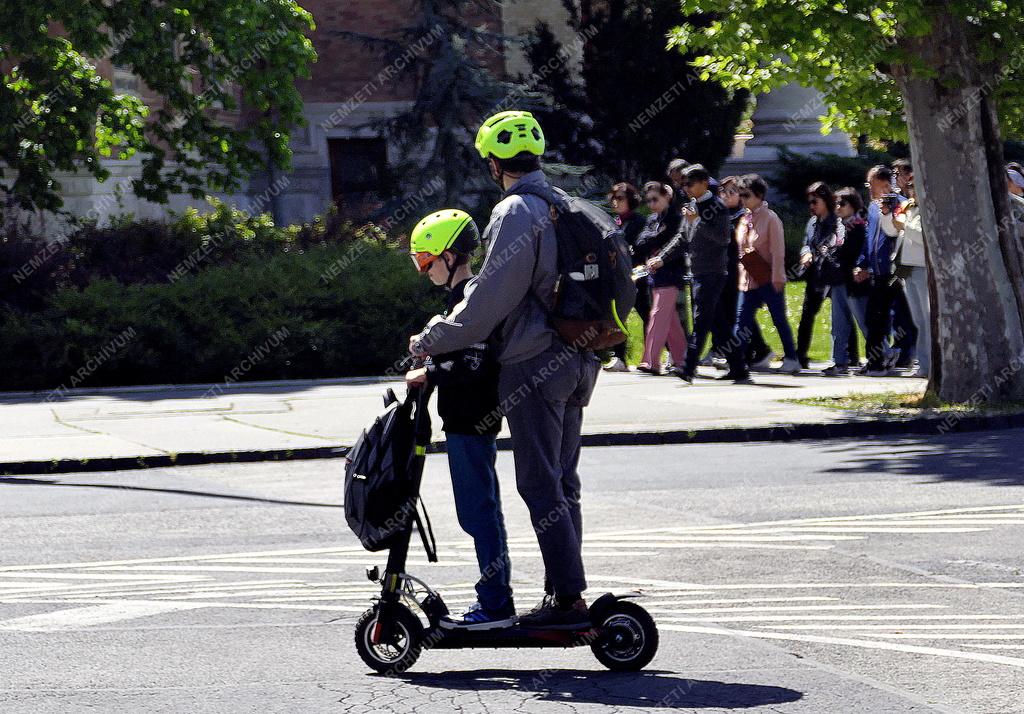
(762, 274)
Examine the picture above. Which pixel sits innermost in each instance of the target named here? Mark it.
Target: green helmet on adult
(447, 229)
(508, 134)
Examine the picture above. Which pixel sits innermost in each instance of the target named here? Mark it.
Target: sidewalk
(135, 427)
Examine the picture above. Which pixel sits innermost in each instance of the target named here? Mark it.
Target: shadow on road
(16, 481)
(632, 689)
(994, 457)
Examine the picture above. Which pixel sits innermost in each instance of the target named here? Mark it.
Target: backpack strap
(426, 533)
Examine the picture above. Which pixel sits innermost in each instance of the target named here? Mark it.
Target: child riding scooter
(467, 400)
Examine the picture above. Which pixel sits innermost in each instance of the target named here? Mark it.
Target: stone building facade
(340, 152)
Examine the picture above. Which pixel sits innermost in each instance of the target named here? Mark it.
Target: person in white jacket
(913, 267)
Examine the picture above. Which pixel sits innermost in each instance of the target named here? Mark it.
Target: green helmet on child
(447, 229)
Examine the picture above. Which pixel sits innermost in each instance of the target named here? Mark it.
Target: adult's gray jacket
(509, 300)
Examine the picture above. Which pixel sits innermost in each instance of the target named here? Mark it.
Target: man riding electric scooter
(544, 383)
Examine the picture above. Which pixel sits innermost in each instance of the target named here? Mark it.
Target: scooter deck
(439, 638)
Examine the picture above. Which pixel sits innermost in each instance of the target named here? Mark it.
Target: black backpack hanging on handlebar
(382, 475)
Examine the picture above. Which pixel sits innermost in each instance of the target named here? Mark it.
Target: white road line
(698, 543)
(181, 559)
(228, 605)
(941, 636)
(79, 617)
(724, 601)
(837, 618)
(865, 644)
(892, 628)
(921, 606)
(804, 586)
(100, 576)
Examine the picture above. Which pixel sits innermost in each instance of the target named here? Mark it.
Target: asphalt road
(869, 576)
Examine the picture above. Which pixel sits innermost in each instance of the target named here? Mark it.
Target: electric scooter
(406, 619)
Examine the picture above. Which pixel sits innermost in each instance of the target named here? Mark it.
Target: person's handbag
(758, 269)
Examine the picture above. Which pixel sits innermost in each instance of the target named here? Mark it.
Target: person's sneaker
(550, 615)
(478, 618)
(708, 361)
(765, 362)
(616, 365)
(836, 371)
(877, 373)
(736, 377)
(720, 363)
(790, 366)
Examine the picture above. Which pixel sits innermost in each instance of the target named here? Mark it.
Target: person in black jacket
(665, 279)
(467, 401)
(625, 200)
(844, 291)
(707, 233)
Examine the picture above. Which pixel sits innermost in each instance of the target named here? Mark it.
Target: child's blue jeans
(478, 505)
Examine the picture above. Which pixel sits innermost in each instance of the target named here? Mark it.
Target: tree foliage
(635, 105)
(848, 50)
(948, 76)
(208, 62)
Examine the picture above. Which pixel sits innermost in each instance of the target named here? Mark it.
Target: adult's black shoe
(683, 374)
(737, 377)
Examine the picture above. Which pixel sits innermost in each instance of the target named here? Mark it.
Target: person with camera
(875, 267)
(911, 265)
(707, 233)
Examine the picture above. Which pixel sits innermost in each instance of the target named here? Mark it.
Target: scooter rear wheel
(629, 638)
(401, 652)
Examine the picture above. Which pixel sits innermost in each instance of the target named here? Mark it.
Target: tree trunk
(973, 255)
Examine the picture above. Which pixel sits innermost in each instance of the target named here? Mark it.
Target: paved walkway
(165, 420)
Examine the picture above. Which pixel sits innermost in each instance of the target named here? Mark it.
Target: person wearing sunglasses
(666, 278)
(851, 211)
(467, 401)
(819, 260)
(625, 200)
(762, 281)
(707, 236)
(759, 354)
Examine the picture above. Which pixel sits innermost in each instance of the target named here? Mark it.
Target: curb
(724, 435)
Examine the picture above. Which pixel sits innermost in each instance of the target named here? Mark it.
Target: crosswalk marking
(80, 617)
(890, 615)
(850, 642)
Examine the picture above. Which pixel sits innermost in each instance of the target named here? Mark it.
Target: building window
(358, 171)
(125, 81)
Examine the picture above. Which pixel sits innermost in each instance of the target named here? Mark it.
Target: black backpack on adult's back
(595, 289)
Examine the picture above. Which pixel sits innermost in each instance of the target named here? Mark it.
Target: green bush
(336, 310)
(798, 171)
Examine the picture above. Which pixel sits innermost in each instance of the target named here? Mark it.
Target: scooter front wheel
(628, 640)
(402, 649)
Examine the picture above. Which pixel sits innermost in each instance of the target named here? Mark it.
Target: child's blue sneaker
(479, 618)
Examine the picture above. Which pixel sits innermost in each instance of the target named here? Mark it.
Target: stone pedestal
(785, 117)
